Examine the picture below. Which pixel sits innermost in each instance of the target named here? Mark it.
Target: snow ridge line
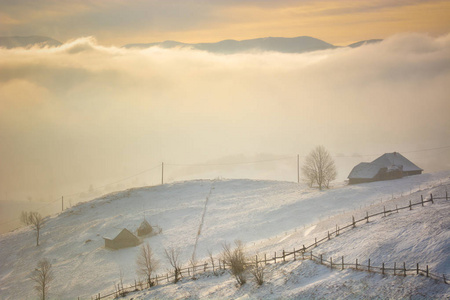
(202, 220)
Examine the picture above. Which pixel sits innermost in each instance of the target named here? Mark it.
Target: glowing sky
(120, 22)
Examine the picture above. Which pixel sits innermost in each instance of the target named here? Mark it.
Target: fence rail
(303, 253)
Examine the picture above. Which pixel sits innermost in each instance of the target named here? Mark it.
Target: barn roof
(125, 234)
(396, 159)
(364, 170)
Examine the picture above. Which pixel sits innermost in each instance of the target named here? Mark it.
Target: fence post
(320, 258)
(156, 279)
(304, 249)
(427, 270)
(328, 234)
(395, 267)
(265, 259)
(284, 256)
(445, 281)
(342, 262)
(384, 211)
(337, 230)
(353, 221)
(417, 270)
(404, 269)
(446, 198)
(421, 199)
(410, 206)
(311, 255)
(331, 262)
(294, 255)
(315, 242)
(382, 269)
(431, 196)
(396, 207)
(357, 264)
(303, 255)
(367, 217)
(368, 268)
(275, 257)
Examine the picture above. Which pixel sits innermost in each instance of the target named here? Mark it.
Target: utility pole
(62, 203)
(298, 168)
(162, 173)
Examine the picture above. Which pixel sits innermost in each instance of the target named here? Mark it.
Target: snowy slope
(265, 215)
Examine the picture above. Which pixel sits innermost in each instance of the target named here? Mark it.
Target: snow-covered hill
(266, 215)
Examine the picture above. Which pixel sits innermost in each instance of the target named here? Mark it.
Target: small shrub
(235, 259)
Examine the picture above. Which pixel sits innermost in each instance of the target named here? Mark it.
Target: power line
(77, 194)
(218, 164)
(231, 164)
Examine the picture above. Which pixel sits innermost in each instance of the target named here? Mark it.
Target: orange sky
(120, 22)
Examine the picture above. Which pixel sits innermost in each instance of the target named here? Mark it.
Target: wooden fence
(303, 253)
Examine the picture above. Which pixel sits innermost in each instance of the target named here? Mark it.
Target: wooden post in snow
(421, 198)
(162, 173)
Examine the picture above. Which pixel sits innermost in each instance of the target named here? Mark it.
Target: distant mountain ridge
(275, 44)
(10, 42)
(299, 44)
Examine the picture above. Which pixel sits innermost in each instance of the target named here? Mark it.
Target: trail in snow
(202, 221)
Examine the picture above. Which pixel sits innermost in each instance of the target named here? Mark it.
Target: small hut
(124, 239)
(144, 229)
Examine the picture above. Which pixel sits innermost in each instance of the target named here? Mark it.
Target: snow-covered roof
(364, 170)
(396, 159)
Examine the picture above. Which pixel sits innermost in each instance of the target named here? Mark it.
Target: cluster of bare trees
(232, 257)
(319, 168)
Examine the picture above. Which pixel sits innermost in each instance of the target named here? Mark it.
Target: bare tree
(236, 260)
(146, 263)
(172, 256)
(257, 271)
(42, 276)
(319, 168)
(211, 258)
(33, 218)
(193, 262)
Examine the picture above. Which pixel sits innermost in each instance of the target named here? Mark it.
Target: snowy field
(267, 216)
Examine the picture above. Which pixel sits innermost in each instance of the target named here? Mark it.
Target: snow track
(202, 220)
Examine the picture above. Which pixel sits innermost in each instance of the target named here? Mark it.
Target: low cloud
(83, 114)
